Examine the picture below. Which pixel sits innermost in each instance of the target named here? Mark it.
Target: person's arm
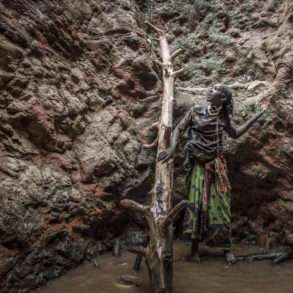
(236, 132)
(182, 125)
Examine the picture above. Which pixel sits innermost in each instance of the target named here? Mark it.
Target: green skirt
(212, 224)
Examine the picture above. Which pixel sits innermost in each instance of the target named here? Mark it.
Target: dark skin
(215, 99)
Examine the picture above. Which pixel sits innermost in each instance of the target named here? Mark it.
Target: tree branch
(155, 125)
(173, 214)
(158, 63)
(236, 85)
(176, 53)
(158, 30)
(133, 205)
(143, 251)
(195, 90)
(151, 98)
(151, 145)
(177, 72)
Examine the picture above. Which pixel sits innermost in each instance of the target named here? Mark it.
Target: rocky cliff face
(80, 89)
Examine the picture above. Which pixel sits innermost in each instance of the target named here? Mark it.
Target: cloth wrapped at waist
(214, 165)
(219, 168)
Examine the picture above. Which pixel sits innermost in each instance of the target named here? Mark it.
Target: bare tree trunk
(160, 215)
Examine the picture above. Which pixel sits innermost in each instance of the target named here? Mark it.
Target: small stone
(234, 32)
(230, 56)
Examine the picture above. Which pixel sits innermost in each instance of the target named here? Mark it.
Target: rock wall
(80, 89)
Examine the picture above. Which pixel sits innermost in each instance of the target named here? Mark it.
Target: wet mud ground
(114, 275)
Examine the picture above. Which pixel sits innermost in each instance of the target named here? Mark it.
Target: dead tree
(159, 214)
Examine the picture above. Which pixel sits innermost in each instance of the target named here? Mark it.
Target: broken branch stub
(134, 206)
(176, 53)
(139, 250)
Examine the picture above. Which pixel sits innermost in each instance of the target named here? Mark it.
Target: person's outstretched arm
(181, 127)
(236, 132)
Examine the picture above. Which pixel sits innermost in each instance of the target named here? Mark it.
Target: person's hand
(261, 112)
(165, 155)
(264, 107)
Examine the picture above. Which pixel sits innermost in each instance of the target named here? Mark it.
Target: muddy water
(114, 275)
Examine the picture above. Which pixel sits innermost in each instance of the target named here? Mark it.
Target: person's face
(215, 97)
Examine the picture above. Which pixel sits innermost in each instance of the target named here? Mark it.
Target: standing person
(208, 217)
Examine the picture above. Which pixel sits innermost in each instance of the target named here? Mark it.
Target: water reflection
(114, 275)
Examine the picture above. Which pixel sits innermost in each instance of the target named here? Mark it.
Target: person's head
(221, 97)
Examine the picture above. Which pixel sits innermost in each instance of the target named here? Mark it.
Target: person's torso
(205, 133)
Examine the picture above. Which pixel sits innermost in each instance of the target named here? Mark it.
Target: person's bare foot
(230, 258)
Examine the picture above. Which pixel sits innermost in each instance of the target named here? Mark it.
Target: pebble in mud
(128, 281)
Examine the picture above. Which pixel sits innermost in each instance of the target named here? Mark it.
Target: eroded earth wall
(80, 89)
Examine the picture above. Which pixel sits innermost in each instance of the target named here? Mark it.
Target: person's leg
(137, 263)
(220, 223)
(229, 256)
(138, 260)
(194, 252)
(191, 217)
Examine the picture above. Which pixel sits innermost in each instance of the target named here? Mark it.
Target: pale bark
(160, 215)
